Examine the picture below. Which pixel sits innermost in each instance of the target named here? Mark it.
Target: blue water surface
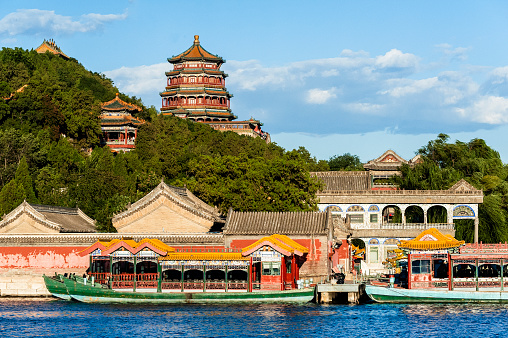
(43, 318)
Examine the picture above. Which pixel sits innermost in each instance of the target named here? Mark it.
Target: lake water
(43, 318)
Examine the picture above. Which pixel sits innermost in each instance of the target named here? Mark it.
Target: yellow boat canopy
(134, 247)
(431, 239)
(280, 243)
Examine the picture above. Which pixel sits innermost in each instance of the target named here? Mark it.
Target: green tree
(345, 162)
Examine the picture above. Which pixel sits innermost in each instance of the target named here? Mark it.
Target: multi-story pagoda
(50, 46)
(119, 126)
(196, 90)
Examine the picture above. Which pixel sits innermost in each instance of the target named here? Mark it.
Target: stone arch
(333, 208)
(437, 214)
(392, 214)
(355, 208)
(414, 214)
(463, 211)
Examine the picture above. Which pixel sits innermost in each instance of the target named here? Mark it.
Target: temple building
(119, 126)
(50, 46)
(196, 90)
(381, 215)
(45, 219)
(385, 166)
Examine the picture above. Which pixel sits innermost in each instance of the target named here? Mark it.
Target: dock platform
(339, 293)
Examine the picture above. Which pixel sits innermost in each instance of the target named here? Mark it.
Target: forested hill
(49, 121)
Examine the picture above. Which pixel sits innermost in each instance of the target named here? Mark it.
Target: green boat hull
(98, 294)
(56, 287)
(395, 295)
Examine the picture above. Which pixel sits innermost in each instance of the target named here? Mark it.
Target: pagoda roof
(282, 244)
(196, 53)
(199, 90)
(196, 71)
(50, 46)
(199, 112)
(117, 105)
(431, 239)
(116, 120)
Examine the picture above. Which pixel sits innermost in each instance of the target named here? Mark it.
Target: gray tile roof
(69, 219)
(269, 223)
(344, 180)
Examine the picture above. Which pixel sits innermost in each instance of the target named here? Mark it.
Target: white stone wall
(25, 283)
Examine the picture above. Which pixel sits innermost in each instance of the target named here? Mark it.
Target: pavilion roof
(280, 243)
(431, 239)
(108, 247)
(120, 120)
(50, 46)
(196, 53)
(118, 104)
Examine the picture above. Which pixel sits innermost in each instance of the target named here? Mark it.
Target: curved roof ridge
(26, 207)
(196, 52)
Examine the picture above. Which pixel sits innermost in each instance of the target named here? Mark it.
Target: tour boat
(443, 270)
(125, 271)
(56, 286)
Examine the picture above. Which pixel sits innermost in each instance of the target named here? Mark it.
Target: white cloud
(487, 109)
(36, 21)
(458, 53)
(365, 108)
(320, 96)
(396, 59)
(140, 80)
(407, 86)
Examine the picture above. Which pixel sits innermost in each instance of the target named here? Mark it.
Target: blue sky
(333, 76)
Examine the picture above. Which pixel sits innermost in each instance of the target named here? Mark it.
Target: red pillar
(125, 141)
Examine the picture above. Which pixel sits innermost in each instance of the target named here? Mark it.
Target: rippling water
(42, 318)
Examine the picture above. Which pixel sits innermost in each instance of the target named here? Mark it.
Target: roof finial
(117, 94)
(196, 39)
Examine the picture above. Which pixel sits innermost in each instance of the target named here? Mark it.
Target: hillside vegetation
(50, 154)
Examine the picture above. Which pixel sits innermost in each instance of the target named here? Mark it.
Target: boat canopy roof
(431, 239)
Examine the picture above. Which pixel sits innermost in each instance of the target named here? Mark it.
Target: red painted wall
(42, 257)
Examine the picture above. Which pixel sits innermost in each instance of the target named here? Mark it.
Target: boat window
(420, 266)
(271, 268)
(464, 271)
(440, 268)
(489, 270)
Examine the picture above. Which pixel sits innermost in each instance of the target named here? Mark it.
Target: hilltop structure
(119, 126)
(196, 90)
(50, 46)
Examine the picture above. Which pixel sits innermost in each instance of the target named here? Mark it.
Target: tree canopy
(444, 163)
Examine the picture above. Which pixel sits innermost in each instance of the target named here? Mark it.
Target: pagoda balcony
(114, 142)
(194, 106)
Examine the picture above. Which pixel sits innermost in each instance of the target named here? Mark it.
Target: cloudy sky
(333, 76)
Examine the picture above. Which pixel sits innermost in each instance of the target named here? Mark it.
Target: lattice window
(334, 208)
(373, 208)
(463, 211)
(354, 208)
